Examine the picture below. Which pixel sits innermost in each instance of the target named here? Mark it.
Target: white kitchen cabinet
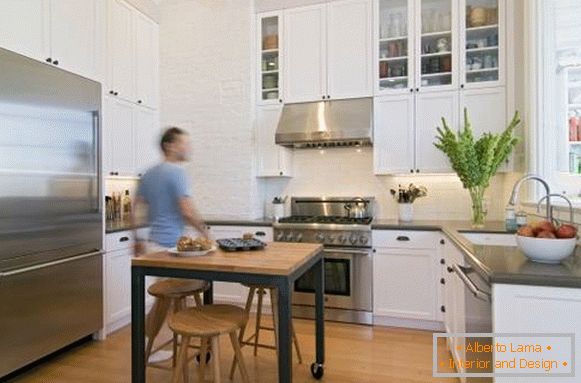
(24, 27)
(118, 144)
(146, 136)
(76, 30)
(483, 46)
(538, 310)
(453, 297)
(146, 33)
(406, 274)
(349, 48)
(269, 58)
(430, 109)
(487, 109)
(120, 50)
(305, 47)
(393, 136)
(405, 131)
(273, 160)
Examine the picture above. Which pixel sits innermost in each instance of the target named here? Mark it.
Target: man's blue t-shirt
(162, 187)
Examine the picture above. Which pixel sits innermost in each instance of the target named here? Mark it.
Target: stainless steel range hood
(326, 123)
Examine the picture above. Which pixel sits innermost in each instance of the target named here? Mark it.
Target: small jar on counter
(521, 219)
(510, 219)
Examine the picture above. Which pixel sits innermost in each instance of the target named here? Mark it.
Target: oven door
(348, 275)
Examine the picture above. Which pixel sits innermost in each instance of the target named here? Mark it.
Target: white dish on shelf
(546, 250)
(176, 252)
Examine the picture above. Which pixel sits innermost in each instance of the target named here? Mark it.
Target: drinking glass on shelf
(392, 31)
(396, 26)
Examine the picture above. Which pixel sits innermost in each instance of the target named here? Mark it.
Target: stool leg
(238, 357)
(247, 308)
(274, 307)
(203, 352)
(216, 358)
(258, 319)
(182, 364)
(178, 304)
(154, 322)
(296, 342)
(198, 300)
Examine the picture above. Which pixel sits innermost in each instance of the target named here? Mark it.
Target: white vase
(406, 212)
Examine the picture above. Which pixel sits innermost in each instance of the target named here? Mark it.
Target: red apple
(566, 231)
(543, 226)
(526, 231)
(546, 234)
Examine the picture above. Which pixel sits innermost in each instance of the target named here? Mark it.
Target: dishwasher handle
(478, 294)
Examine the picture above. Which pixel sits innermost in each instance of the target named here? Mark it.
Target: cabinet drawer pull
(403, 238)
(443, 309)
(123, 239)
(260, 234)
(442, 281)
(442, 261)
(450, 270)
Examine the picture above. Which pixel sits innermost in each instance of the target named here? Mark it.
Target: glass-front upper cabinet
(437, 43)
(269, 65)
(395, 52)
(482, 32)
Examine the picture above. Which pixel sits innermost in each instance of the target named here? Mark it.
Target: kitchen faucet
(516, 188)
(558, 196)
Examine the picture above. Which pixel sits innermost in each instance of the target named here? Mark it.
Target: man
(165, 190)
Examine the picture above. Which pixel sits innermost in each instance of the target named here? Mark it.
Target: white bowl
(546, 250)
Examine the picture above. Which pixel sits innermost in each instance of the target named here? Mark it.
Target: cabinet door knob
(280, 100)
(55, 62)
(462, 86)
(111, 92)
(328, 97)
(403, 238)
(139, 101)
(442, 261)
(411, 90)
(411, 170)
(443, 308)
(450, 270)
(280, 173)
(324, 97)
(417, 89)
(417, 170)
(442, 281)
(48, 60)
(442, 242)
(116, 93)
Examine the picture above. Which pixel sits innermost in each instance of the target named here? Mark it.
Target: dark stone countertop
(498, 264)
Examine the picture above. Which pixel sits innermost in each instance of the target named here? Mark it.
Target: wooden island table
(278, 265)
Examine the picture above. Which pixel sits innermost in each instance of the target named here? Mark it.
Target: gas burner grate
(326, 219)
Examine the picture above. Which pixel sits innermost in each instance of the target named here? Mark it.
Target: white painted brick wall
(206, 88)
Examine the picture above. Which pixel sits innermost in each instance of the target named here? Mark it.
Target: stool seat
(208, 321)
(176, 288)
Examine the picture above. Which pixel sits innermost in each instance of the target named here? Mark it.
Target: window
(558, 106)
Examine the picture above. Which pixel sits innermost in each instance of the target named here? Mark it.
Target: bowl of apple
(547, 243)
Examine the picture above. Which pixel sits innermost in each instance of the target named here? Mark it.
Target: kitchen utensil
(478, 16)
(239, 244)
(176, 252)
(546, 250)
(357, 208)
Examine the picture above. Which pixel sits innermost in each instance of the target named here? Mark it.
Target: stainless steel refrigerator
(50, 210)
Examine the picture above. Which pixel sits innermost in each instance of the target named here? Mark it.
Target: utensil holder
(277, 211)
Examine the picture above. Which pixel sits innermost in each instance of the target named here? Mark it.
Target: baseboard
(417, 324)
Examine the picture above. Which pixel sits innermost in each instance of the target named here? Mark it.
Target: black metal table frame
(284, 284)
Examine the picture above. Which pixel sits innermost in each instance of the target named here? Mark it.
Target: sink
(490, 239)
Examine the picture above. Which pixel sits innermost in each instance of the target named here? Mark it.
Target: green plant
(476, 161)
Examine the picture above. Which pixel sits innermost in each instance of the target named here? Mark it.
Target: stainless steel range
(343, 226)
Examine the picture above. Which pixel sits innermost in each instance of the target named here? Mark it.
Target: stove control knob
(363, 239)
(279, 236)
(341, 238)
(320, 237)
(299, 237)
(289, 236)
(353, 239)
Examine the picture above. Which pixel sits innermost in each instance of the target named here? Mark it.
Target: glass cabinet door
(436, 43)
(269, 58)
(394, 50)
(482, 55)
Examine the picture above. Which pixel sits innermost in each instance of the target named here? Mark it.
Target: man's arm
(192, 216)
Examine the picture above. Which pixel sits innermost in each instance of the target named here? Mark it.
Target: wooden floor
(355, 354)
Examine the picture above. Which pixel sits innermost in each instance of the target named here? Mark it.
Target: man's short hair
(170, 136)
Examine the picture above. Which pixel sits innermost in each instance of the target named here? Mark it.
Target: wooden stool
(208, 323)
(254, 339)
(169, 292)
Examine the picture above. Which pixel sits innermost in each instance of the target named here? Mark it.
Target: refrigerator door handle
(49, 264)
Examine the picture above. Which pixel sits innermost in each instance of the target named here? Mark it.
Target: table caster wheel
(208, 358)
(317, 370)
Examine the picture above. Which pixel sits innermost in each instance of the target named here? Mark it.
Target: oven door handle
(478, 294)
(342, 251)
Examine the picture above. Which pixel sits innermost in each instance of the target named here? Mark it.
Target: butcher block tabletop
(277, 258)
